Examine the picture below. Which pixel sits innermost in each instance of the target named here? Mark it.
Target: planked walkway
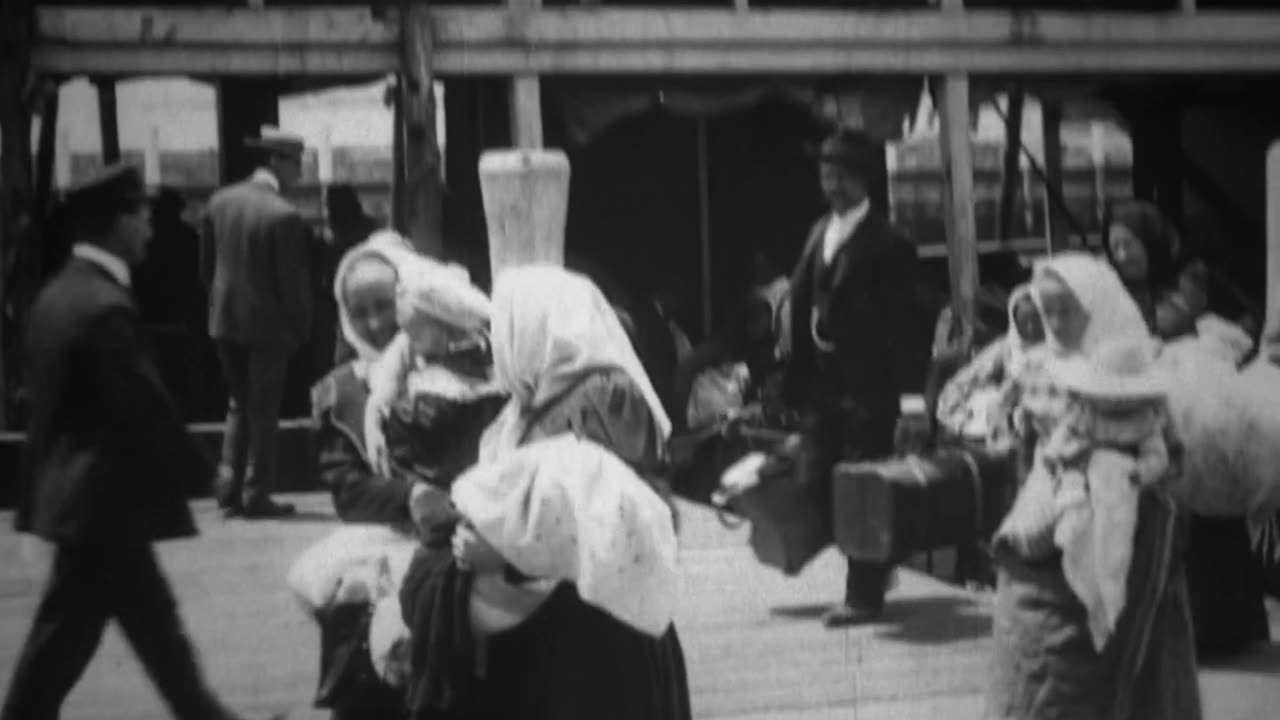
(754, 646)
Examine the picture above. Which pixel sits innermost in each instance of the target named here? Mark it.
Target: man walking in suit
(852, 297)
(105, 470)
(256, 262)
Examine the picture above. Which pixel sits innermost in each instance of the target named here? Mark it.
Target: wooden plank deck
(754, 645)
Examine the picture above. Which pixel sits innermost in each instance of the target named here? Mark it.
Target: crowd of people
(501, 462)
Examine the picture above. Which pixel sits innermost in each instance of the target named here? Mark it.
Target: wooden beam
(956, 139)
(1051, 123)
(423, 197)
(108, 121)
(1011, 176)
(962, 241)
(526, 90)
(357, 41)
(1270, 341)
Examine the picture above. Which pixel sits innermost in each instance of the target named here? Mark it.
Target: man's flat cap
(277, 142)
(117, 187)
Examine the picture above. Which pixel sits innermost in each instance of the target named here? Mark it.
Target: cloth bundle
(1228, 422)
(566, 509)
(361, 564)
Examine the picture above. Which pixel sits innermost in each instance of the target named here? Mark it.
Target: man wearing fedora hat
(256, 264)
(853, 291)
(105, 469)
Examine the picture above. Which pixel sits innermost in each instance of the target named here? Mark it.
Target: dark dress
(570, 660)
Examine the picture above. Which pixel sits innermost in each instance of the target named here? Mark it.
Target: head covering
(1112, 312)
(567, 509)
(550, 327)
(115, 189)
(1159, 238)
(277, 142)
(443, 292)
(387, 246)
(851, 149)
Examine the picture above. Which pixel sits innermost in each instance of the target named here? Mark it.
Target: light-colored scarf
(388, 246)
(1090, 511)
(550, 327)
(565, 509)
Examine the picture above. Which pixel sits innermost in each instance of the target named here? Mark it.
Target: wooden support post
(108, 121)
(1270, 342)
(423, 196)
(704, 222)
(397, 158)
(526, 92)
(1051, 122)
(962, 246)
(1011, 175)
(955, 136)
(17, 30)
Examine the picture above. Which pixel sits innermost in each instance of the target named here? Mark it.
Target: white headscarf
(386, 245)
(1113, 313)
(551, 326)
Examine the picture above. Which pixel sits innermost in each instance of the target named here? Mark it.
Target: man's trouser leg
(148, 614)
(229, 485)
(267, 371)
(867, 582)
(63, 639)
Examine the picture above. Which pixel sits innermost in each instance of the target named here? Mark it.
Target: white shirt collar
(264, 176)
(112, 264)
(841, 227)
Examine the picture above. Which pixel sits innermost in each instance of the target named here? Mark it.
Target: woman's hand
(375, 440)
(474, 553)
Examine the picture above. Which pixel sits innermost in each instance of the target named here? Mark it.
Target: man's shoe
(846, 615)
(266, 508)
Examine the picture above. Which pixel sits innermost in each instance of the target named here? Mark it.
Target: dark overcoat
(108, 456)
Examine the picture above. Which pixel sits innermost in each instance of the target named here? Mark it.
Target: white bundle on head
(566, 509)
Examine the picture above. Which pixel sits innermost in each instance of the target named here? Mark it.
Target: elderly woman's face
(1128, 252)
(1064, 317)
(370, 294)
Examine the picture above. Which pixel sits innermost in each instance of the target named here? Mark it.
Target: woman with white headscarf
(1045, 664)
(562, 354)
(382, 287)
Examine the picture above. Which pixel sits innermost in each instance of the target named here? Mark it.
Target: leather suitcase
(889, 510)
(788, 510)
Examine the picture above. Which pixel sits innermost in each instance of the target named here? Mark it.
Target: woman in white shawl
(562, 354)
(378, 284)
(1045, 664)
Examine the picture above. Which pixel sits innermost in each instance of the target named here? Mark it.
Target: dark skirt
(1226, 587)
(571, 661)
(1044, 665)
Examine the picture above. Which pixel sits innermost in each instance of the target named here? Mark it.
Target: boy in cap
(256, 263)
(104, 468)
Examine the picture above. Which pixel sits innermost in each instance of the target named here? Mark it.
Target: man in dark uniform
(853, 291)
(256, 261)
(105, 470)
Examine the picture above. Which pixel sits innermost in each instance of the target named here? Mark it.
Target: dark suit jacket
(107, 455)
(256, 264)
(871, 316)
